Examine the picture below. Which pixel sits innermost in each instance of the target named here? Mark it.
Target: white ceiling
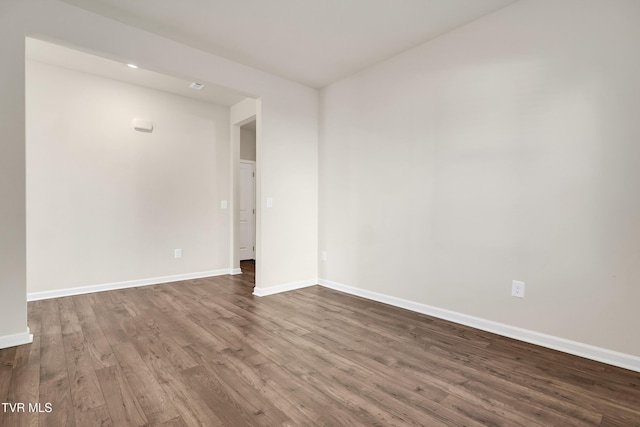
(53, 54)
(314, 42)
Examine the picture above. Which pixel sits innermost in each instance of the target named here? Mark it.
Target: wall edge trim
(80, 290)
(285, 287)
(598, 354)
(13, 340)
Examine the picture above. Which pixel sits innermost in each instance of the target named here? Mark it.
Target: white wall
(106, 203)
(288, 137)
(507, 149)
(13, 271)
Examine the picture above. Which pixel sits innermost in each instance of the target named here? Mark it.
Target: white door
(247, 210)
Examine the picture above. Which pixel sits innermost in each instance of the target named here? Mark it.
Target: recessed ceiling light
(132, 66)
(196, 86)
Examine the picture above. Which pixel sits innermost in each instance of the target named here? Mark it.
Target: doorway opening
(245, 189)
(247, 205)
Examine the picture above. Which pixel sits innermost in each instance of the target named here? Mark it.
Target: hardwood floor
(207, 353)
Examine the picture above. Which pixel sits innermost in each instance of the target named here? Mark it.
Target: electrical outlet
(323, 254)
(177, 253)
(517, 289)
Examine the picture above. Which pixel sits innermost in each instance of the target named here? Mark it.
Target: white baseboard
(263, 292)
(35, 296)
(7, 341)
(599, 354)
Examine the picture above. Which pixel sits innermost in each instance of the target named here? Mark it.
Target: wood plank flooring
(207, 353)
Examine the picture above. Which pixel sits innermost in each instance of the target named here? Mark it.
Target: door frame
(235, 191)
